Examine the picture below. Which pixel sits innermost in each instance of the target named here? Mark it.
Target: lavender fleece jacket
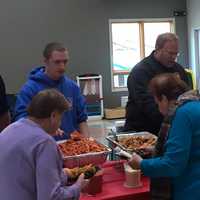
(31, 165)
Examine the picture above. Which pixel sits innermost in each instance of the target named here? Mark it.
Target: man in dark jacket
(4, 113)
(142, 113)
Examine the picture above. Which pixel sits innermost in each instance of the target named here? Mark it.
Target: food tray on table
(81, 159)
(133, 142)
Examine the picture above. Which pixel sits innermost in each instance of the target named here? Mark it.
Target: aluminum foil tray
(112, 139)
(95, 158)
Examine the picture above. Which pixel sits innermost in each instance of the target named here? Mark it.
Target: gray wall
(193, 24)
(27, 25)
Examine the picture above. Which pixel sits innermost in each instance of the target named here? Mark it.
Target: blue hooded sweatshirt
(38, 81)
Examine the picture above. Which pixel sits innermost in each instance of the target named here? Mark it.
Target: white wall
(193, 17)
(82, 25)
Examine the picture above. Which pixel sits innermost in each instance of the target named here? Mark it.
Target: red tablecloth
(113, 188)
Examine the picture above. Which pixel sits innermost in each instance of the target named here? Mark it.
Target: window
(131, 41)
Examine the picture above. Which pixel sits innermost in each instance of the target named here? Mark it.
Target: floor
(99, 129)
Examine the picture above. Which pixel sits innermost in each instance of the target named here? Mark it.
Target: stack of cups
(132, 177)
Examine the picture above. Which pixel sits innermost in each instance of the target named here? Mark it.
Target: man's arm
(82, 114)
(23, 99)
(138, 89)
(84, 129)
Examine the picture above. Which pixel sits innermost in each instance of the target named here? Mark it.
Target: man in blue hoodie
(56, 58)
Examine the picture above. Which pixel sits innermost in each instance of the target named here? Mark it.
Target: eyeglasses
(171, 53)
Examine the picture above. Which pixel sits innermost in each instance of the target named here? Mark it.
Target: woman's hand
(135, 161)
(147, 151)
(82, 182)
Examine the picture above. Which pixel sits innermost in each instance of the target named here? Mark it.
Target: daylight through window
(131, 41)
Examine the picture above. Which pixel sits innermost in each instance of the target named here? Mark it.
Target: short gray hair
(163, 38)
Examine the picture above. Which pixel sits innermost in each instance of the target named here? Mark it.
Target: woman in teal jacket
(175, 168)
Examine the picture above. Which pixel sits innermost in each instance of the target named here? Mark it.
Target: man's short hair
(53, 46)
(46, 102)
(163, 38)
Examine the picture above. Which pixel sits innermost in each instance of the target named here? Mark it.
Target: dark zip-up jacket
(142, 113)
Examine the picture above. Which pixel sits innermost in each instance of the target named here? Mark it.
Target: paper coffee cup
(132, 176)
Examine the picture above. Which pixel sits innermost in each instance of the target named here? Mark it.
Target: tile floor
(99, 129)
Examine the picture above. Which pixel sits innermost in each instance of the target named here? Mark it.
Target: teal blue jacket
(181, 160)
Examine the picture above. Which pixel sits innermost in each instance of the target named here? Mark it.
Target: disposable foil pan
(95, 158)
(114, 139)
